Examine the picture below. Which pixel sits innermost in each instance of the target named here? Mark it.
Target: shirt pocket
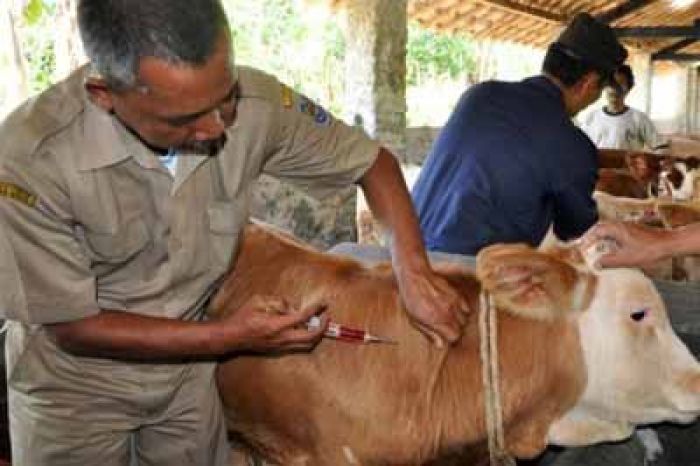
(117, 246)
(226, 221)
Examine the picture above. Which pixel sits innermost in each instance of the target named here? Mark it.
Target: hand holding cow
(432, 305)
(633, 244)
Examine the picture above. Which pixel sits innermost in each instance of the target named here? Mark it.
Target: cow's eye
(638, 316)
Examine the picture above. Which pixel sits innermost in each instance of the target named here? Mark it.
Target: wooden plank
(536, 13)
(677, 57)
(681, 44)
(659, 31)
(623, 9)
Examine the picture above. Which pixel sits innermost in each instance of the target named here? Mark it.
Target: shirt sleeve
(586, 124)
(12, 300)
(575, 211)
(315, 151)
(45, 276)
(652, 139)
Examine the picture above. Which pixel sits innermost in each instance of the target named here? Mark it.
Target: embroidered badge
(287, 97)
(318, 113)
(16, 193)
(12, 191)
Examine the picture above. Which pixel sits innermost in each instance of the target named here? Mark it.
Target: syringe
(343, 333)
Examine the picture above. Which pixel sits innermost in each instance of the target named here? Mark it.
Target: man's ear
(590, 83)
(100, 94)
(533, 284)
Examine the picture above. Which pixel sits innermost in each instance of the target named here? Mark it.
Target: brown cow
(612, 158)
(601, 358)
(619, 208)
(674, 215)
(621, 183)
(639, 178)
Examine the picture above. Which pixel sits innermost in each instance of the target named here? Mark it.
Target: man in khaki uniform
(109, 252)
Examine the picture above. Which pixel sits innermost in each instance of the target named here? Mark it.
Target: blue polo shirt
(508, 163)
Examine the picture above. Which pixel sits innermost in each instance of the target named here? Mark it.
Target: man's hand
(433, 306)
(268, 324)
(632, 244)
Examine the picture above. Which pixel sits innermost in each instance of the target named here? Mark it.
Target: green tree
(36, 36)
(432, 56)
(297, 42)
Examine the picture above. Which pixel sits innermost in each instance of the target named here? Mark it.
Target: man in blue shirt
(510, 162)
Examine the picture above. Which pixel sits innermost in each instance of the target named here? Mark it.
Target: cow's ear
(532, 283)
(567, 252)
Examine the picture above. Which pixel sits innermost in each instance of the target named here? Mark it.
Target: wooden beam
(673, 48)
(678, 57)
(518, 8)
(630, 6)
(660, 31)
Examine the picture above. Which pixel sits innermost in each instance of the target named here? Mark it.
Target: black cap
(593, 42)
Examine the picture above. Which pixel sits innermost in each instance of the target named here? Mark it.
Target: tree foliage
(301, 44)
(37, 36)
(298, 41)
(432, 56)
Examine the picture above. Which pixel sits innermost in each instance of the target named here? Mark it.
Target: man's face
(179, 106)
(616, 93)
(594, 88)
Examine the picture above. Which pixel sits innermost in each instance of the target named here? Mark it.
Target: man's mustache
(209, 147)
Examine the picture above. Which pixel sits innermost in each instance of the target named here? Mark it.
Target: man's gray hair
(117, 34)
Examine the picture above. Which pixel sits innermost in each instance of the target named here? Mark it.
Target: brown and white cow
(600, 358)
(674, 215)
(618, 208)
(637, 178)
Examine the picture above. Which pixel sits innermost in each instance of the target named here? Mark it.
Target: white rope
(488, 330)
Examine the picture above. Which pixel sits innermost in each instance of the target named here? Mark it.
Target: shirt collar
(103, 145)
(109, 142)
(549, 88)
(546, 84)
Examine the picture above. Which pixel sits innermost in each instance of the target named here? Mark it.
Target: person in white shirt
(617, 126)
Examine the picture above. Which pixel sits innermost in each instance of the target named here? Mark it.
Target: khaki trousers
(68, 411)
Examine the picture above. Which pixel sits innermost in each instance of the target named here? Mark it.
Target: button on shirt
(91, 219)
(507, 165)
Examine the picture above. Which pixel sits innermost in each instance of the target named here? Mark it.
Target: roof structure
(668, 29)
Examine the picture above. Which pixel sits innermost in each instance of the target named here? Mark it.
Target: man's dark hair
(117, 34)
(567, 67)
(626, 71)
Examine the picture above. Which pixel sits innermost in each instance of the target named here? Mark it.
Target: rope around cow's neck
(488, 331)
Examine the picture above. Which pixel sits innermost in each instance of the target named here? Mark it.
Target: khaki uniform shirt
(90, 219)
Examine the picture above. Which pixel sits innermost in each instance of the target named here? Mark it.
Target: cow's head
(638, 370)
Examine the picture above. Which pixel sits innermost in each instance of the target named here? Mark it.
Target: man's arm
(263, 324)
(636, 245)
(432, 304)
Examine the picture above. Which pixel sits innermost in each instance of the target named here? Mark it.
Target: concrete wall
(418, 143)
(671, 107)
(376, 33)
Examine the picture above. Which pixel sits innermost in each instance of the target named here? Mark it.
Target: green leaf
(33, 11)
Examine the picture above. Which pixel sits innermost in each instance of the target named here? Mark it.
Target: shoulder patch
(318, 113)
(287, 96)
(12, 191)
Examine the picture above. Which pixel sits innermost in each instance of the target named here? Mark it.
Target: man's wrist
(409, 260)
(218, 339)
